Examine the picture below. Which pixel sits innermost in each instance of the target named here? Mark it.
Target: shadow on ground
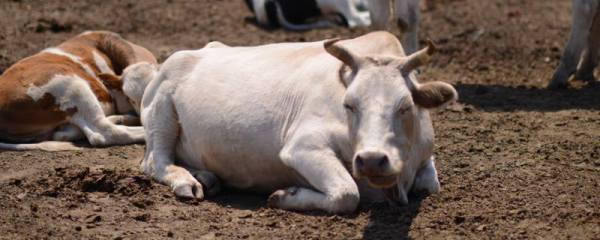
(498, 98)
(385, 221)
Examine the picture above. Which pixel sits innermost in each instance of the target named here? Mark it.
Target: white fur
(102, 64)
(76, 59)
(271, 118)
(137, 76)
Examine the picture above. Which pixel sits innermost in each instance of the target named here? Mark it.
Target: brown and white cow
(72, 91)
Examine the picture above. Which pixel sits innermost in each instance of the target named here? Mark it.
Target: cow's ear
(341, 53)
(434, 94)
(111, 81)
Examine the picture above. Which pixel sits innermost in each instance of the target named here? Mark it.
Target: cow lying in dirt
(73, 91)
(581, 54)
(295, 119)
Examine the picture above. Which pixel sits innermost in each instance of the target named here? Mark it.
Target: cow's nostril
(359, 162)
(383, 162)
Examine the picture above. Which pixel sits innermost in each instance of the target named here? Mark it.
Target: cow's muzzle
(376, 167)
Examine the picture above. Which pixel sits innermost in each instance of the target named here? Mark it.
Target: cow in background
(406, 14)
(302, 15)
(81, 89)
(581, 53)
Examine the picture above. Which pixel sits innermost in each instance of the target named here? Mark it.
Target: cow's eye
(348, 107)
(404, 110)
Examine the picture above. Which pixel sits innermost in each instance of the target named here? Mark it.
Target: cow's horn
(341, 53)
(418, 58)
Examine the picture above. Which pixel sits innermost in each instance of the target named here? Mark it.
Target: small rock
(245, 214)
(481, 228)
(21, 196)
(97, 209)
(208, 236)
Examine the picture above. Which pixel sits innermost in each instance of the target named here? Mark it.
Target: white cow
(304, 121)
(406, 15)
(581, 54)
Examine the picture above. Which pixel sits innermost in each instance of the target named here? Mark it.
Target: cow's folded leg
(68, 133)
(427, 178)
(102, 132)
(334, 188)
(163, 130)
(127, 120)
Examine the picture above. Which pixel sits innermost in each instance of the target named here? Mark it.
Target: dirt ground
(515, 160)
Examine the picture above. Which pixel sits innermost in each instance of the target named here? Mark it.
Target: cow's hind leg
(583, 14)
(407, 16)
(126, 119)
(162, 128)
(74, 95)
(334, 188)
(68, 133)
(590, 58)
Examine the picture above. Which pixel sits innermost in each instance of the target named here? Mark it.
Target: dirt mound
(76, 180)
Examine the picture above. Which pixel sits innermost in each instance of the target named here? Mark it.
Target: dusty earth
(515, 160)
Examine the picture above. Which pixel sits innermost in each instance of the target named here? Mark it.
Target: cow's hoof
(209, 181)
(585, 77)
(559, 80)
(555, 85)
(278, 196)
(189, 190)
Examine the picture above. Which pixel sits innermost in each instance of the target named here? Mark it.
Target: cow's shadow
(385, 221)
(392, 222)
(498, 98)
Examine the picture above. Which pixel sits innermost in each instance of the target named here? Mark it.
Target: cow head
(384, 107)
(135, 79)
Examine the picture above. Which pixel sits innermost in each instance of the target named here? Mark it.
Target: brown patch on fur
(111, 81)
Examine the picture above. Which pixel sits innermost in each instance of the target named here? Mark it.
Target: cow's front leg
(427, 178)
(162, 128)
(334, 188)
